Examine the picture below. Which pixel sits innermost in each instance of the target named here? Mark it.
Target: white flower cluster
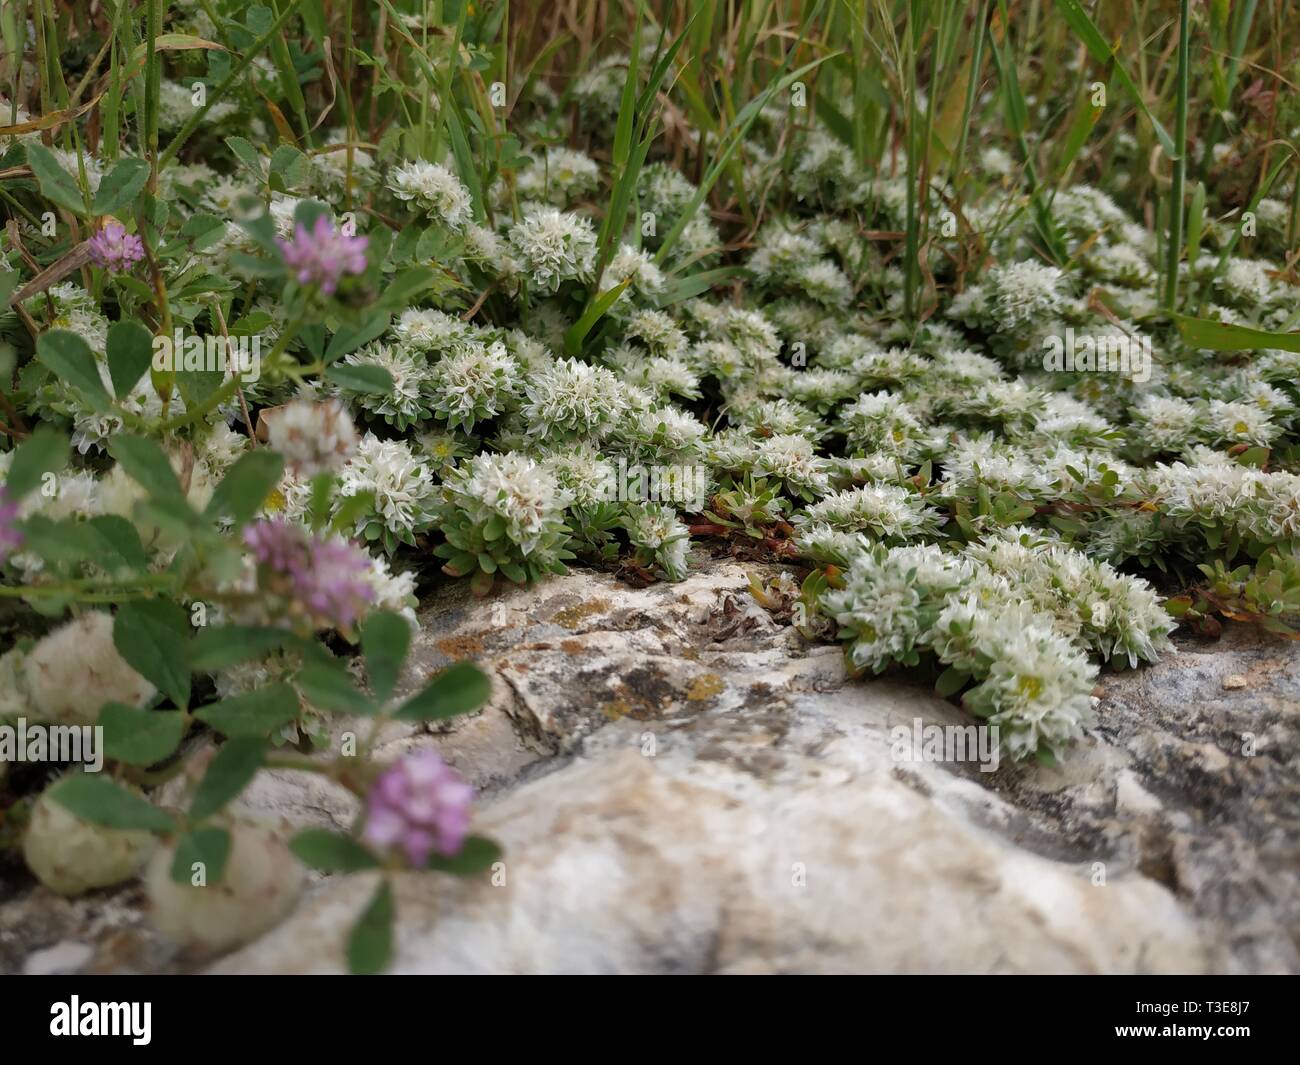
(1012, 297)
(408, 400)
(553, 247)
(794, 261)
(561, 177)
(503, 513)
(1031, 682)
(434, 189)
(472, 385)
(637, 267)
(884, 511)
(659, 539)
(1213, 495)
(794, 461)
(432, 332)
(313, 437)
(1116, 616)
(398, 487)
(1163, 424)
(802, 409)
(881, 422)
(572, 398)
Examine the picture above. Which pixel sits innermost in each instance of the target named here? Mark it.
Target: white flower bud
(71, 673)
(261, 884)
(312, 437)
(71, 856)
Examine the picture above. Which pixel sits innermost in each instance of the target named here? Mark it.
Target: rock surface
(682, 784)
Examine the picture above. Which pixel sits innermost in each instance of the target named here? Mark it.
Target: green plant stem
(1174, 249)
(91, 585)
(152, 91)
(348, 112)
(38, 27)
(1217, 128)
(1294, 217)
(972, 87)
(912, 237)
(111, 143)
(10, 20)
(19, 207)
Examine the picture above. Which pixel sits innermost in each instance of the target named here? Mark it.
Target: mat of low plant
(978, 319)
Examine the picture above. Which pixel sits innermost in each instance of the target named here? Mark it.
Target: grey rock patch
(682, 784)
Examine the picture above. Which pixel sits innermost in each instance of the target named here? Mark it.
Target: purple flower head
(322, 255)
(113, 248)
(338, 587)
(325, 581)
(279, 545)
(420, 805)
(10, 538)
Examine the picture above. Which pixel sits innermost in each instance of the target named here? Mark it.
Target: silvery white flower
(886, 511)
(408, 401)
(554, 246)
(629, 262)
(657, 331)
(572, 397)
(583, 473)
(561, 177)
(1019, 293)
(403, 490)
(793, 460)
(515, 488)
(1240, 423)
(434, 189)
(427, 330)
(473, 384)
(313, 437)
(660, 539)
